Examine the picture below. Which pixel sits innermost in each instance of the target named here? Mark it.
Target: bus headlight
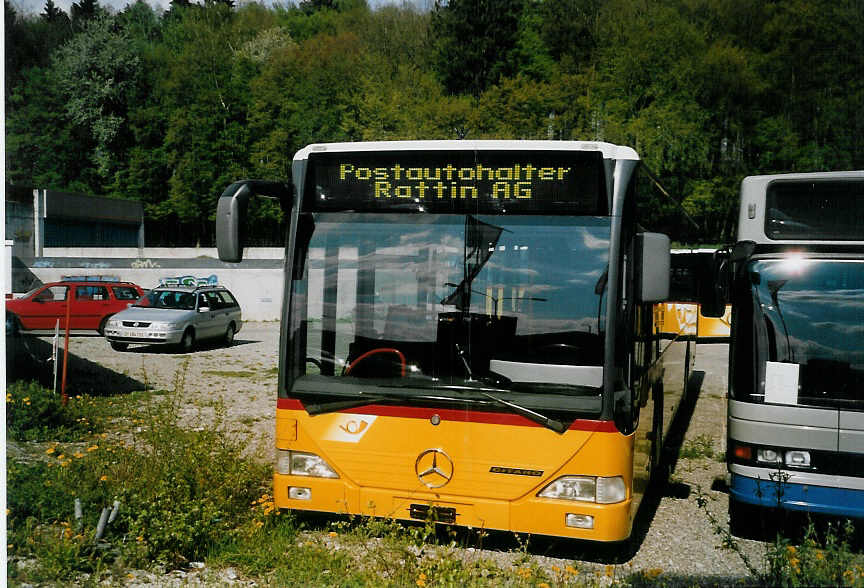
(798, 458)
(582, 488)
(587, 489)
(766, 455)
(300, 463)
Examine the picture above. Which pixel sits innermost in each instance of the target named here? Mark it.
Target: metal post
(66, 343)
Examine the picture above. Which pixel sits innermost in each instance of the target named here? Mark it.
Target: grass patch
(702, 446)
(229, 374)
(180, 493)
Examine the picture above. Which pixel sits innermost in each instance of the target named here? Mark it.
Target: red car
(92, 304)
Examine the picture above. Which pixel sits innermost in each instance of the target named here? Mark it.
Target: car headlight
(300, 463)
(158, 326)
(587, 489)
(113, 323)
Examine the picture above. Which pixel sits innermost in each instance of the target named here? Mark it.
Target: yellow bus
(467, 334)
(691, 273)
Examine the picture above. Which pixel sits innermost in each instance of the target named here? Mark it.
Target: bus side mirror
(714, 296)
(653, 263)
(231, 212)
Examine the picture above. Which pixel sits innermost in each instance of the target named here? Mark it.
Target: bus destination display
(438, 181)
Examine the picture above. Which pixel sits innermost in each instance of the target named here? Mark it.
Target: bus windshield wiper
(547, 422)
(358, 401)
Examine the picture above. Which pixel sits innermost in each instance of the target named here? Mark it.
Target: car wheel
(117, 346)
(229, 335)
(187, 343)
(102, 324)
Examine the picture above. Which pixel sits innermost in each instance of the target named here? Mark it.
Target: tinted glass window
(124, 293)
(809, 313)
(227, 299)
(212, 300)
(815, 210)
(446, 300)
(91, 293)
(167, 299)
(52, 294)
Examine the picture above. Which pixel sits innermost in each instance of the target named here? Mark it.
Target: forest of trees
(170, 107)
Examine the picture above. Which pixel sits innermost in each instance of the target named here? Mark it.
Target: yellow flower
(26, 400)
(570, 570)
(820, 555)
(103, 478)
(61, 456)
(791, 550)
(421, 579)
(8, 397)
(610, 571)
(543, 585)
(49, 451)
(653, 573)
(139, 539)
(93, 448)
(78, 455)
(63, 464)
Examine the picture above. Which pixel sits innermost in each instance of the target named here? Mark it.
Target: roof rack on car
(90, 278)
(189, 281)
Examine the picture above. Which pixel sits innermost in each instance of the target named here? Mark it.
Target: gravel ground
(674, 534)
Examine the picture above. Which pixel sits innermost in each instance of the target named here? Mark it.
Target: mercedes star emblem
(434, 468)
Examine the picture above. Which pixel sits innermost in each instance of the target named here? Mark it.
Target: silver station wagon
(176, 315)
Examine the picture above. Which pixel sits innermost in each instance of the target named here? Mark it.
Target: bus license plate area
(437, 514)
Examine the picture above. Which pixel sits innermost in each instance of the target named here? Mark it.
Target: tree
(474, 41)
(96, 73)
(53, 14)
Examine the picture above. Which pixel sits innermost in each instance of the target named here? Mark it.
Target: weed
(34, 413)
(181, 493)
(229, 374)
(702, 446)
(829, 561)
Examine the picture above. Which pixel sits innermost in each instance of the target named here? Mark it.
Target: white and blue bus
(796, 362)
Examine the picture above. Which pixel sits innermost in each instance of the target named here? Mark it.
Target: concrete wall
(257, 282)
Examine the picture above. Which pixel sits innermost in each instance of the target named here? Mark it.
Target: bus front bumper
(539, 516)
(821, 494)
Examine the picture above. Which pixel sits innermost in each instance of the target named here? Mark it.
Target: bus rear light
(298, 493)
(579, 521)
(300, 463)
(744, 452)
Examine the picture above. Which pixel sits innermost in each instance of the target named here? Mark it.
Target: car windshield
(448, 301)
(809, 315)
(174, 299)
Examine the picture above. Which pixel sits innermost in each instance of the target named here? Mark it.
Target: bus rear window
(815, 210)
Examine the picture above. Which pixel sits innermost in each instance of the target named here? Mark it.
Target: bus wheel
(744, 519)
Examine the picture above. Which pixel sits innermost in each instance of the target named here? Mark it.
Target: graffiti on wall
(211, 280)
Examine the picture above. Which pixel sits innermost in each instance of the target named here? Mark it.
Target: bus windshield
(455, 302)
(810, 312)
